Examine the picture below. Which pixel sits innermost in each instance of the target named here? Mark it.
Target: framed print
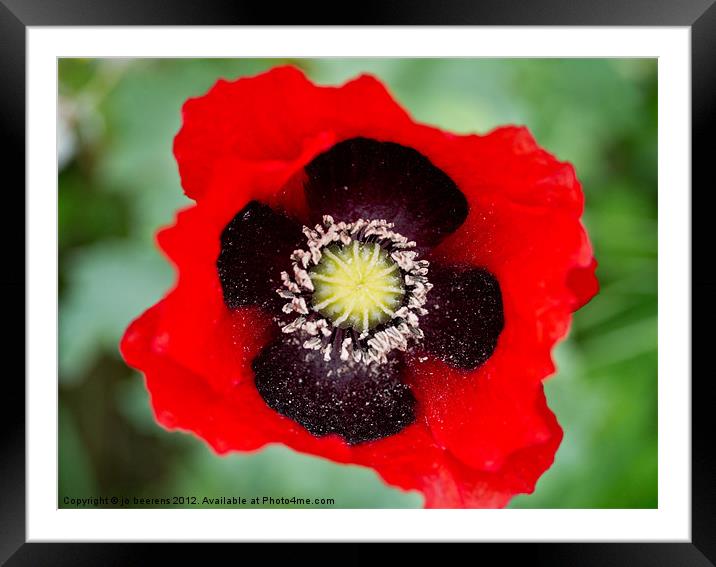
(358, 283)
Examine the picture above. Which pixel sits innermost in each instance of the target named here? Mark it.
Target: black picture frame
(17, 15)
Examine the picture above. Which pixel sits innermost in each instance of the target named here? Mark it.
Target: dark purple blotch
(255, 247)
(465, 315)
(359, 402)
(364, 178)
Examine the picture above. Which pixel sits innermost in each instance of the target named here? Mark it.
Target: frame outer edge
(703, 123)
(12, 282)
(12, 465)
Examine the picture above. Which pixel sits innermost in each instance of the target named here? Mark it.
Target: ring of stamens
(357, 292)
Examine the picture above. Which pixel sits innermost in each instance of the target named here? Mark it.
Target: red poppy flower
(361, 287)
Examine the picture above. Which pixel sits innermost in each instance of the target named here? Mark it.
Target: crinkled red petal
(272, 116)
(238, 419)
(480, 436)
(523, 227)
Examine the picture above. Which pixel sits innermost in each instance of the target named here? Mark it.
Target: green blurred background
(118, 183)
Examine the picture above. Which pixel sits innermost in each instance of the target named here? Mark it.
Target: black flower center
(354, 290)
(357, 291)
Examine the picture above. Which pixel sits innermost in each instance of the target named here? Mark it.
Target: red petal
(583, 283)
(272, 117)
(238, 419)
(524, 228)
(484, 416)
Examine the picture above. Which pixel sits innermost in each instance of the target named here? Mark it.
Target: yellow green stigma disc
(358, 285)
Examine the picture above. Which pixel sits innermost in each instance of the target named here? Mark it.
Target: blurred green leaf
(76, 478)
(109, 283)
